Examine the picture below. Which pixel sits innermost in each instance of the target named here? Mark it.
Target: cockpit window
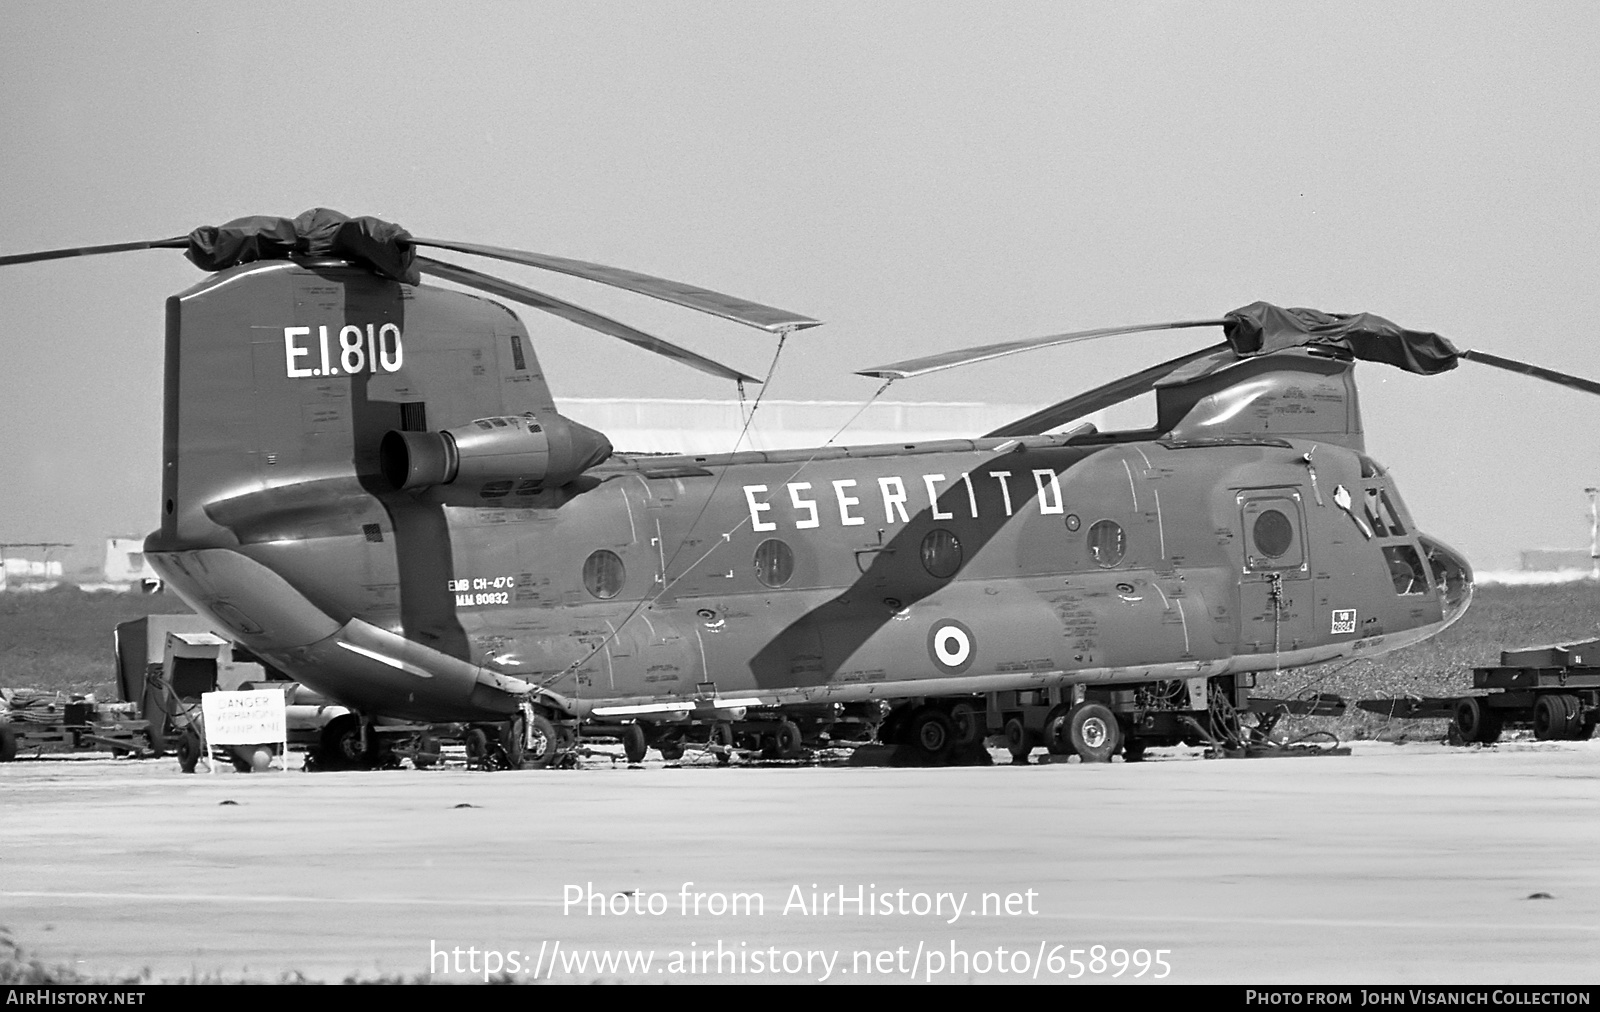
(1405, 569)
(1454, 582)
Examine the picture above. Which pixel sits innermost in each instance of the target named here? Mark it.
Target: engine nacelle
(551, 451)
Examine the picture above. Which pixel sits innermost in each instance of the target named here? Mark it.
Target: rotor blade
(1537, 372)
(950, 359)
(1101, 397)
(177, 242)
(752, 314)
(577, 314)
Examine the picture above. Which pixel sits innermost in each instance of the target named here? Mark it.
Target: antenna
(1594, 532)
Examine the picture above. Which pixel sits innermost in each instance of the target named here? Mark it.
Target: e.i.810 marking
(375, 349)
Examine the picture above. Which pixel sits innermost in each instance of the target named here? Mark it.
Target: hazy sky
(921, 176)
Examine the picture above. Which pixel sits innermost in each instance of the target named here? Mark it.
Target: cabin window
(1273, 533)
(774, 562)
(603, 574)
(941, 553)
(1107, 544)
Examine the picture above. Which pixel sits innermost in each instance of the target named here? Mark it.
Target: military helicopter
(367, 484)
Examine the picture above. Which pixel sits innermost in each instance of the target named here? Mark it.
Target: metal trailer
(41, 723)
(1554, 690)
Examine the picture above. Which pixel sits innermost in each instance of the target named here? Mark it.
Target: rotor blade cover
(380, 246)
(1261, 329)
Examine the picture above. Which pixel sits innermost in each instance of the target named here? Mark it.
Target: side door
(1276, 602)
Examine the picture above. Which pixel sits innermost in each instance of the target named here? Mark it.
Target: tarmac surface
(1401, 864)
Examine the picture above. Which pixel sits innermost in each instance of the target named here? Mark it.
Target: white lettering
(1005, 489)
(352, 356)
(1045, 506)
(392, 357)
(292, 351)
(845, 502)
(809, 505)
(929, 481)
(893, 501)
(322, 341)
(757, 508)
(972, 496)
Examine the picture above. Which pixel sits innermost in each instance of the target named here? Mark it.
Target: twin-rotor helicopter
(366, 483)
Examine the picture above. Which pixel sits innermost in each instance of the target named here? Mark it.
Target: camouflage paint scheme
(452, 601)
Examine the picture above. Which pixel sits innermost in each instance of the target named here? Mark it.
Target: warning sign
(244, 718)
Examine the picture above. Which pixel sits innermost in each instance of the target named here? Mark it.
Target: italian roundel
(951, 645)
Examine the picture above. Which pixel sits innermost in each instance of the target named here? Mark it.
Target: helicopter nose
(1451, 574)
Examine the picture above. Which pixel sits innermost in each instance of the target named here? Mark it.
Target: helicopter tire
(1555, 717)
(968, 725)
(930, 732)
(8, 743)
(477, 744)
(1093, 731)
(1019, 742)
(425, 751)
(1475, 721)
(546, 744)
(722, 734)
(1057, 739)
(511, 752)
(188, 752)
(789, 741)
(671, 749)
(634, 745)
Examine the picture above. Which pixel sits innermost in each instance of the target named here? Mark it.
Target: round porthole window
(941, 553)
(1273, 533)
(1107, 544)
(774, 563)
(603, 574)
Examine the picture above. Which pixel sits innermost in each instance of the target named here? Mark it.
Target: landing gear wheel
(968, 725)
(511, 750)
(477, 744)
(671, 749)
(425, 751)
(8, 743)
(722, 734)
(1093, 731)
(633, 743)
(188, 752)
(546, 743)
(1133, 750)
(1476, 722)
(1555, 717)
(789, 743)
(1018, 741)
(929, 730)
(342, 748)
(1057, 741)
